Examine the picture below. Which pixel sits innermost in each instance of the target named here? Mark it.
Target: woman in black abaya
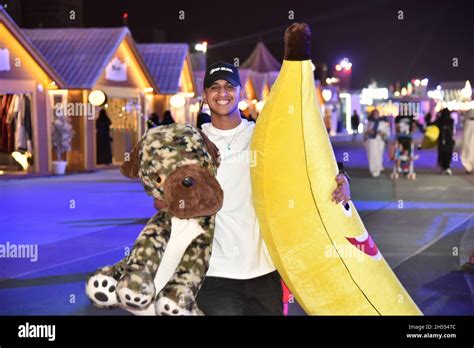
(445, 141)
(104, 150)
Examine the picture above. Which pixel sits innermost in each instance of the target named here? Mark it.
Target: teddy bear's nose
(188, 181)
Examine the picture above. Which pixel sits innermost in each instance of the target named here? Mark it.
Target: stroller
(403, 157)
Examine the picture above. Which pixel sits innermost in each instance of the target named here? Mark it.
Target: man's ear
(131, 167)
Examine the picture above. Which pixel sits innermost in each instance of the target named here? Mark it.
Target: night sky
(368, 32)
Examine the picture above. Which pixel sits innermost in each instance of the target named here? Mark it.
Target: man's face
(222, 97)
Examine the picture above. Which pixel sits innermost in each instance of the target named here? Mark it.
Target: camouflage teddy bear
(166, 267)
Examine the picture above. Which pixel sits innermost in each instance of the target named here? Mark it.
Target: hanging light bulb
(259, 105)
(243, 105)
(327, 94)
(177, 101)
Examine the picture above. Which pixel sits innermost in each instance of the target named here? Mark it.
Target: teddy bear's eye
(188, 181)
(158, 180)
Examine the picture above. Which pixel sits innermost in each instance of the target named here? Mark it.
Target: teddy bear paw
(133, 300)
(136, 290)
(168, 307)
(100, 289)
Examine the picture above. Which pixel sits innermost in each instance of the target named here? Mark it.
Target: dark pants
(258, 296)
(445, 153)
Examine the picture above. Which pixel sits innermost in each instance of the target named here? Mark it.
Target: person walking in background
(355, 121)
(427, 119)
(378, 131)
(103, 139)
(153, 121)
(327, 120)
(334, 120)
(167, 118)
(445, 141)
(467, 147)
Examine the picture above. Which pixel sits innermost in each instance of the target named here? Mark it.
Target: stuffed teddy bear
(166, 267)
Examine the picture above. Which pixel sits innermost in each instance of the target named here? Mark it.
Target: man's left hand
(342, 193)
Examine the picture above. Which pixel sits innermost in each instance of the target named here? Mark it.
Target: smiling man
(241, 279)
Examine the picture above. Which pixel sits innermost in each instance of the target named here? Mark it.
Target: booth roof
(79, 55)
(271, 77)
(244, 75)
(165, 63)
(258, 80)
(261, 60)
(29, 46)
(199, 78)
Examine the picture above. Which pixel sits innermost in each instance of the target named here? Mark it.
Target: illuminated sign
(4, 59)
(369, 94)
(97, 97)
(116, 70)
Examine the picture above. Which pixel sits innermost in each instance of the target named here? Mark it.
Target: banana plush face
(321, 249)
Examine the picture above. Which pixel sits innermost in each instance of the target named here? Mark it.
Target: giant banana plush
(321, 249)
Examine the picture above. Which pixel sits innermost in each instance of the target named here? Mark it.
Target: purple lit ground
(417, 240)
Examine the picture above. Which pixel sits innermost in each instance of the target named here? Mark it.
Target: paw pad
(101, 290)
(168, 307)
(134, 300)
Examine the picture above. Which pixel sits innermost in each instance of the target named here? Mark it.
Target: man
(355, 121)
(241, 279)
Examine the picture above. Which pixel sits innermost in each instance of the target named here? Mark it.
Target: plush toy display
(166, 267)
(321, 249)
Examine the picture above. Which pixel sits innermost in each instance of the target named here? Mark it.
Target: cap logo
(220, 68)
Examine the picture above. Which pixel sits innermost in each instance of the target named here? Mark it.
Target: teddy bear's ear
(130, 168)
(212, 149)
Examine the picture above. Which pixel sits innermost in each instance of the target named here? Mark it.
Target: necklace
(228, 142)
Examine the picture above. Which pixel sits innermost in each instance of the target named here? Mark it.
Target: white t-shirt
(238, 251)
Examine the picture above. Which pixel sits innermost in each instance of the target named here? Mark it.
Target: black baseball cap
(221, 71)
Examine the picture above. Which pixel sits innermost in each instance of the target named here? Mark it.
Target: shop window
(117, 129)
(16, 134)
